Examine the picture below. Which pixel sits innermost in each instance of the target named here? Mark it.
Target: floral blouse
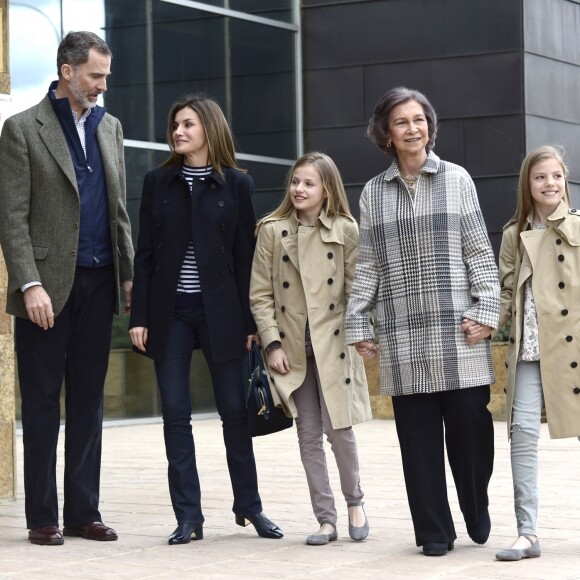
(530, 345)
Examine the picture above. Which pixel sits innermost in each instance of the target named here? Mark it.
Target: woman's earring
(389, 143)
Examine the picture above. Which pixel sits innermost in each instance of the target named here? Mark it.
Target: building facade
(295, 75)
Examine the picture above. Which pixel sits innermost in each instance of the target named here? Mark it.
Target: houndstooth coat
(424, 264)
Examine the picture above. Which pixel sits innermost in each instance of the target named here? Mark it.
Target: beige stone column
(7, 420)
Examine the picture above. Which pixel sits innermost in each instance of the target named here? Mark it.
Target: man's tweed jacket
(40, 208)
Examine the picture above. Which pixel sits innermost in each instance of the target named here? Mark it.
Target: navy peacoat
(218, 215)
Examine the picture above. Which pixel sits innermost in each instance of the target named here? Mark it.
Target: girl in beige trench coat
(540, 280)
(301, 278)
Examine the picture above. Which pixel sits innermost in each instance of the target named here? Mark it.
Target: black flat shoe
(437, 548)
(184, 533)
(479, 532)
(264, 527)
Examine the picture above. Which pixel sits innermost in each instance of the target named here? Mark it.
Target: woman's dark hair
(220, 142)
(378, 128)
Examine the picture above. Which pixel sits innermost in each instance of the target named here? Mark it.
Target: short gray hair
(378, 128)
(75, 47)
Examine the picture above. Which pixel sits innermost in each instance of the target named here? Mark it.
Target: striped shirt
(189, 276)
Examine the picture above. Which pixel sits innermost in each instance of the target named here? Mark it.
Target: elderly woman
(426, 267)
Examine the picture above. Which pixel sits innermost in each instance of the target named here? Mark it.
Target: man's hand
(39, 307)
(127, 288)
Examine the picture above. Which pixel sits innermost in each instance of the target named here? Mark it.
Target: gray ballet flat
(514, 554)
(360, 533)
(322, 539)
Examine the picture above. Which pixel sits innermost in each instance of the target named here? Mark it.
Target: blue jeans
(525, 434)
(189, 327)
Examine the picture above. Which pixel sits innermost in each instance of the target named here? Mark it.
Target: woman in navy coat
(191, 287)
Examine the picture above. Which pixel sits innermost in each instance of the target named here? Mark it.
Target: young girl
(540, 276)
(301, 278)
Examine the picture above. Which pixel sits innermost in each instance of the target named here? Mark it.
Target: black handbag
(263, 417)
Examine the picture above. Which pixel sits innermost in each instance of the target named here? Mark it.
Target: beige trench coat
(302, 274)
(553, 257)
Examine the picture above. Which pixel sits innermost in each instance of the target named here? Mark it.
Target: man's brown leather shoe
(95, 531)
(48, 536)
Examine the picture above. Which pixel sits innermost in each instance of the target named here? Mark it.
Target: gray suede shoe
(514, 554)
(360, 533)
(322, 539)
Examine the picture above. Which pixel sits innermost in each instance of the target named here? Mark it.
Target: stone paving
(135, 501)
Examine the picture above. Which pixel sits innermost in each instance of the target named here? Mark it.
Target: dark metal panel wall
(552, 79)
(465, 56)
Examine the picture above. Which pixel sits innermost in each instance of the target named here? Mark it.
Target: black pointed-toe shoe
(264, 527)
(184, 533)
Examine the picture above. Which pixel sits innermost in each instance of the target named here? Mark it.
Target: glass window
(248, 67)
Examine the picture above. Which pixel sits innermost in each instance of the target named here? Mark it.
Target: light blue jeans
(525, 433)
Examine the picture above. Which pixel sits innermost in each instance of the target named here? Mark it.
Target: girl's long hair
(525, 201)
(336, 202)
(221, 152)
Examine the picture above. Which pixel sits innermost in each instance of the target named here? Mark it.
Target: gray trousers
(313, 420)
(525, 434)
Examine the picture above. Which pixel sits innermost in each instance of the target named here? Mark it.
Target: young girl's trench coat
(552, 258)
(299, 274)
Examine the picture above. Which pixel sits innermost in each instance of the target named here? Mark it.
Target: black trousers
(425, 423)
(75, 350)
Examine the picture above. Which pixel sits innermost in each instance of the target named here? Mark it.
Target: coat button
(347, 381)
(560, 258)
(285, 258)
(574, 364)
(330, 281)
(222, 272)
(336, 332)
(166, 200)
(512, 340)
(558, 241)
(342, 355)
(213, 185)
(573, 210)
(285, 284)
(223, 227)
(73, 252)
(221, 203)
(284, 233)
(283, 309)
(156, 268)
(330, 255)
(576, 390)
(565, 312)
(76, 226)
(159, 224)
(561, 285)
(331, 307)
(282, 335)
(222, 249)
(569, 338)
(159, 245)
